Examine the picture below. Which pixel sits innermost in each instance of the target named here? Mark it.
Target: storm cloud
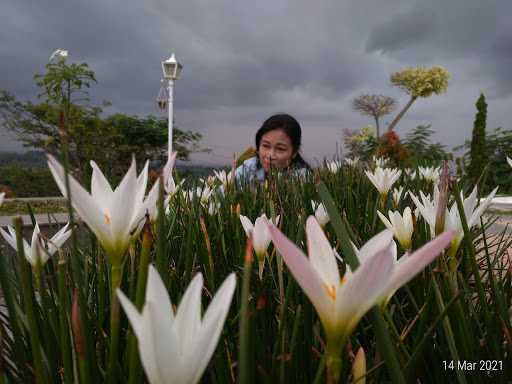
(246, 60)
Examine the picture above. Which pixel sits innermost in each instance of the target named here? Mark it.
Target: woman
(278, 144)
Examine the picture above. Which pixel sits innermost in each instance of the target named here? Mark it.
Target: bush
(28, 182)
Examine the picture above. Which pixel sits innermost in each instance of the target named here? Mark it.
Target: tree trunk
(377, 126)
(401, 113)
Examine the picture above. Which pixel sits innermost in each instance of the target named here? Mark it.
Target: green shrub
(28, 182)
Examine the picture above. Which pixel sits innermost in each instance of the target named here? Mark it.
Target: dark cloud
(244, 61)
(404, 30)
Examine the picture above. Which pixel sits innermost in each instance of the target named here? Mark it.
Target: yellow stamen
(107, 218)
(331, 291)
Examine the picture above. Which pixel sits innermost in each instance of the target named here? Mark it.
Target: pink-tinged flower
(260, 237)
(113, 215)
(341, 302)
(176, 346)
(39, 249)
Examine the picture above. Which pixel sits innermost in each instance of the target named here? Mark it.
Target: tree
(375, 106)
(419, 82)
(360, 143)
(110, 141)
(478, 153)
(420, 148)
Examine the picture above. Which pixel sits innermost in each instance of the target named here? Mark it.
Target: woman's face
(276, 150)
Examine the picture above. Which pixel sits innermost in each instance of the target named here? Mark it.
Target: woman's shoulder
(248, 170)
(250, 163)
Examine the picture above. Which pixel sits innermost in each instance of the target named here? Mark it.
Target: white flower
(380, 162)
(431, 174)
(225, 178)
(113, 215)
(471, 211)
(260, 236)
(352, 162)
(383, 179)
(333, 166)
(213, 208)
(427, 208)
(175, 347)
(203, 194)
(509, 161)
(320, 213)
(397, 195)
(59, 53)
(400, 225)
(39, 248)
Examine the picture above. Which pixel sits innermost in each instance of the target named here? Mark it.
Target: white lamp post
(172, 70)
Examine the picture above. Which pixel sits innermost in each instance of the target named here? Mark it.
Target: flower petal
(101, 191)
(307, 278)
(125, 205)
(417, 261)
(11, 240)
(376, 244)
(156, 292)
(247, 224)
(364, 287)
(320, 253)
(213, 323)
(188, 315)
(88, 209)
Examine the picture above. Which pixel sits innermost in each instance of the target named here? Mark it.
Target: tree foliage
(110, 141)
(497, 173)
(419, 82)
(375, 106)
(478, 153)
(422, 151)
(361, 143)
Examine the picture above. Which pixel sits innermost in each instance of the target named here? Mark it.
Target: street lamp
(172, 70)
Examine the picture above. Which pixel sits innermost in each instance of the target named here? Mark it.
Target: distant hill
(37, 159)
(30, 159)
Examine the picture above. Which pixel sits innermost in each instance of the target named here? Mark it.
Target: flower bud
(359, 367)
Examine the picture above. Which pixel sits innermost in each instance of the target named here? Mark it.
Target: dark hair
(291, 127)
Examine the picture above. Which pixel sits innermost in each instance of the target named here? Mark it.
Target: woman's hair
(291, 127)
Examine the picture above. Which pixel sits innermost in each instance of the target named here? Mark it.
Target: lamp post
(172, 70)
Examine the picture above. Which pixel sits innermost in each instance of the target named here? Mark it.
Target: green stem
(116, 275)
(386, 346)
(19, 351)
(134, 373)
(448, 331)
(63, 320)
(333, 361)
(26, 285)
(243, 357)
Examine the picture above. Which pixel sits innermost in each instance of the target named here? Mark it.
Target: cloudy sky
(244, 61)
